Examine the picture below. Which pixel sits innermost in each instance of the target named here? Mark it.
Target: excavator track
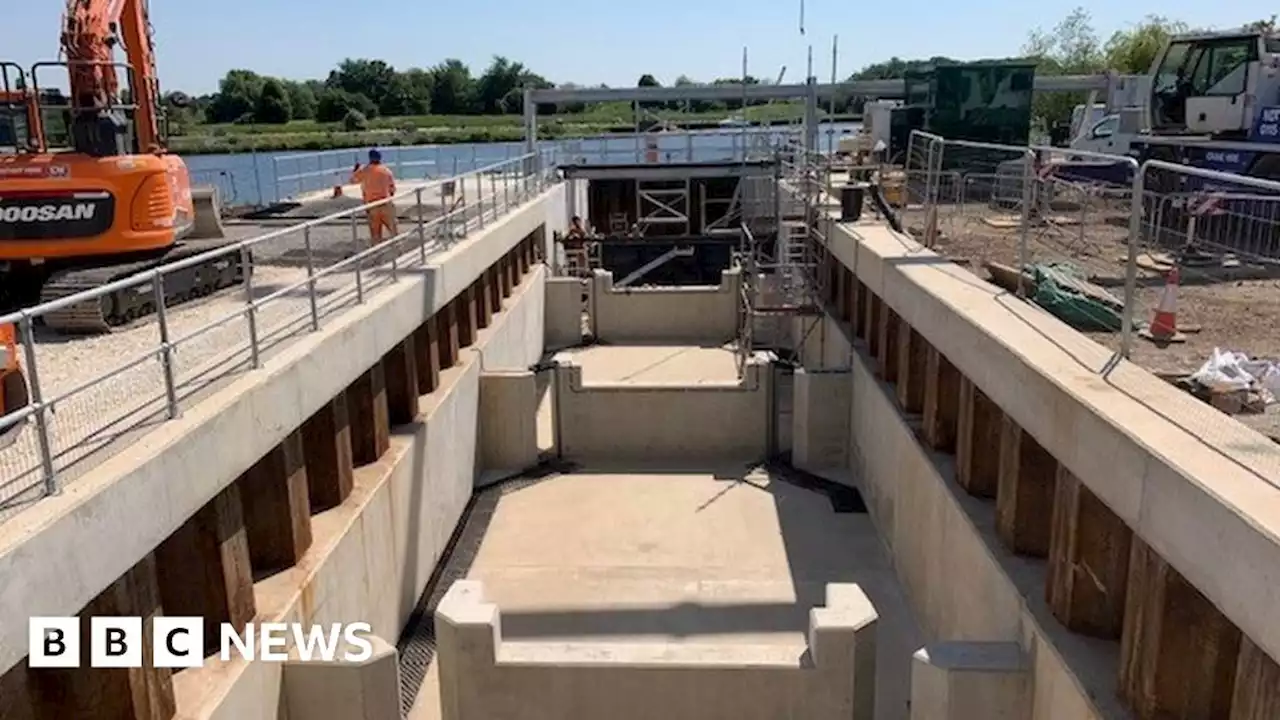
(125, 306)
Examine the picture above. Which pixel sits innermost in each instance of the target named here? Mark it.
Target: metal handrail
(246, 244)
(531, 172)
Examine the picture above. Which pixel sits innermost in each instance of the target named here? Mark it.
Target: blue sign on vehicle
(1267, 127)
(1232, 161)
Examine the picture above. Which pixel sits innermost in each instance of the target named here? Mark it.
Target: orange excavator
(88, 192)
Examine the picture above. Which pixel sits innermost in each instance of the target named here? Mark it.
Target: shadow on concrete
(688, 619)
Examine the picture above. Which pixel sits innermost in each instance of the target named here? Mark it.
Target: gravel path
(92, 418)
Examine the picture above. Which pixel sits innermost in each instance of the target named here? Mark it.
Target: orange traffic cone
(1164, 323)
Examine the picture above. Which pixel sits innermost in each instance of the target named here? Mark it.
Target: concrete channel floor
(731, 556)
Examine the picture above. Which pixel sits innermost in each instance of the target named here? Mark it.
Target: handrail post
(393, 246)
(275, 171)
(1131, 261)
(493, 194)
(1024, 235)
(250, 310)
(355, 248)
(166, 350)
(479, 201)
(446, 237)
(422, 227)
(37, 401)
(311, 279)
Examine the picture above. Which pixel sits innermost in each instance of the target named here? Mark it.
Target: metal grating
(417, 644)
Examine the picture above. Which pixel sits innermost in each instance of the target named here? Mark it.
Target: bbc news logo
(178, 642)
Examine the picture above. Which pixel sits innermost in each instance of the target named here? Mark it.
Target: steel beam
(674, 171)
(887, 89)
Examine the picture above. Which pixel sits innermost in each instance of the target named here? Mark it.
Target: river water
(263, 178)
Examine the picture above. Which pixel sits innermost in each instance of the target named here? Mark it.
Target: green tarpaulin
(1054, 292)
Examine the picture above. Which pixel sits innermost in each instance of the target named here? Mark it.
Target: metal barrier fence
(1222, 234)
(1096, 239)
(1033, 217)
(301, 276)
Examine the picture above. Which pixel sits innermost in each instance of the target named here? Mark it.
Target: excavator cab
(1214, 83)
(20, 128)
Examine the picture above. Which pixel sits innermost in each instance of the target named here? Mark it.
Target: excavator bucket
(208, 214)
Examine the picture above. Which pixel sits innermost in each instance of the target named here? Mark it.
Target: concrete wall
(372, 558)
(632, 422)
(564, 312)
(70, 547)
(947, 563)
(820, 420)
(508, 423)
(483, 677)
(704, 315)
(1196, 486)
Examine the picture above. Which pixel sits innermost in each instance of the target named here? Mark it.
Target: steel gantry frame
(812, 91)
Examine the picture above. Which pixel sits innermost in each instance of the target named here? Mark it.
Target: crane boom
(91, 31)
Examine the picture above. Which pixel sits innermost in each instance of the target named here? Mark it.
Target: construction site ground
(1232, 308)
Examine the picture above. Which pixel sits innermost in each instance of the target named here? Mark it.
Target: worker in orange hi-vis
(377, 183)
(12, 389)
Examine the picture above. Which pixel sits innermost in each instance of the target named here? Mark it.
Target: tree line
(363, 88)
(359, 89)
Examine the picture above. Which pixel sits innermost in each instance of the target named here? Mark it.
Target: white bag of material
(1225, 372)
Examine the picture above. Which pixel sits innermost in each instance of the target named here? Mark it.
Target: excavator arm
(91, 32)
(69, 221)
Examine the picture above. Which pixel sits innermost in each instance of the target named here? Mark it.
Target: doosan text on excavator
(88, 190)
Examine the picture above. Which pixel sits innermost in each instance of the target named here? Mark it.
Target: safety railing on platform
(86, 394)
(298, 174)
(675, 147)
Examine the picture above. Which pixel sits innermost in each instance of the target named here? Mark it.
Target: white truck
(1214, 102)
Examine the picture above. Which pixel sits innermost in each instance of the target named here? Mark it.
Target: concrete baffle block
(467, 638)
(701, 314)
(481, 677)
(842, 643)
(966, 680)
(508, 440)
(316, 689)
(563, 310)
(820, 420)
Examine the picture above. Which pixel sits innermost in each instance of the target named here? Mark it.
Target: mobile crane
(1214, 103)
(102, 199)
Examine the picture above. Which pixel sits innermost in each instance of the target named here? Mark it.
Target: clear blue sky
(588, 41)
